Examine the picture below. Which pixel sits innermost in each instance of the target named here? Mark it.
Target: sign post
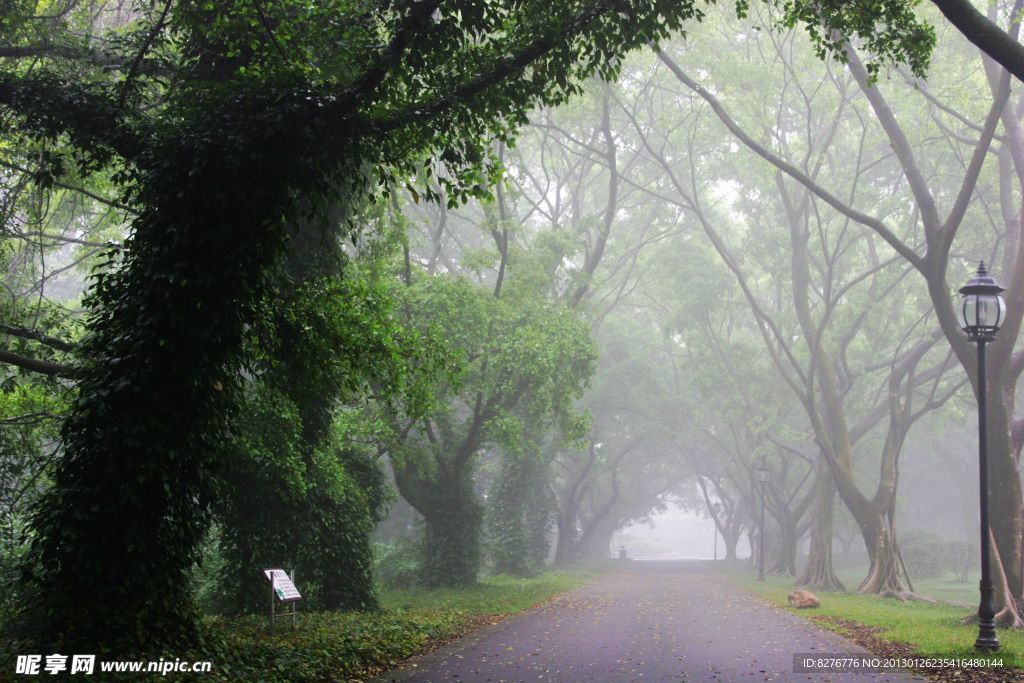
(282, 589)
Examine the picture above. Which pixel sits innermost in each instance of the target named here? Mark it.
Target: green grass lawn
(344, 646)
(931, 629)
(944, 587)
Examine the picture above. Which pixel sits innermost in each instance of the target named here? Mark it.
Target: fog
(674, 533)
(747, 253)
(700, 301)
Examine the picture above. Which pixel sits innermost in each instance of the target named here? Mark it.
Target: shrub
(11, 554)
(330, 646)
(396, 564)
(924, 553)
(961, 558)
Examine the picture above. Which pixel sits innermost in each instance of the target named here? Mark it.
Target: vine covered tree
(523, 363)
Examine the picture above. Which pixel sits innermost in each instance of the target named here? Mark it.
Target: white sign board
(283, 586)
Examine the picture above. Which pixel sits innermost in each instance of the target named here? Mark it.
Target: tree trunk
(539, 517)
(1005, 497)
(451, 543)
(566, 553)
(819, 573)
(450, 548)
(1007, 615)
(731, 539)
(884, 574)
(116, 536)
(596, 541)
(783, 561)
(506, 519)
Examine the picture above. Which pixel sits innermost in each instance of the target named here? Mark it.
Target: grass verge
(890, 627)
(943, 587)
(347, 646)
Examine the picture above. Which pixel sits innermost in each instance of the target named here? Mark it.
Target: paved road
(653, 621)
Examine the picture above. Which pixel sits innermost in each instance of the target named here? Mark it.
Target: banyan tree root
(1006, 616)
(907, 596)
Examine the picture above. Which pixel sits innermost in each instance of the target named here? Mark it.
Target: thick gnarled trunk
(565, 546)
(453, 518)
(730, 538)
(819, 574)
(595, 541)
(1004, 482)
(451, 543)
(884, 573)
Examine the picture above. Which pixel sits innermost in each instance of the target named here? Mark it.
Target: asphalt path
(651, 621)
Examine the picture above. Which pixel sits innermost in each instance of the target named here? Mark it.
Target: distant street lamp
(981, 312)
(762, 478)
(715, 510)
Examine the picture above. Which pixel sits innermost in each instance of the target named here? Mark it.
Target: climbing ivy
(300, 491)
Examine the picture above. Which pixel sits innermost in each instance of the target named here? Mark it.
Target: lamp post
(762, 479)
(716, 510)
(981, 312)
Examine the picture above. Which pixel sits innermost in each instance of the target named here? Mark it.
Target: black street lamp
(981, 312)
(762, 478)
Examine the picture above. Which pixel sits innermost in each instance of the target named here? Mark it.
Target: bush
(330, 646)
(11, 555)
(924, 553)
(396, 565)
(288, 504)
(961, 558)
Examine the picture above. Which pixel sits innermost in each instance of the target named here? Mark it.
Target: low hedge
(332, 646)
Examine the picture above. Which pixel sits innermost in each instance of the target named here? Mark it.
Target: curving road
(652, 621)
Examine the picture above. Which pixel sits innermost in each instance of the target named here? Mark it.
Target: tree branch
(985, 34)
(870, 221)
(41, 366)
(46, 339)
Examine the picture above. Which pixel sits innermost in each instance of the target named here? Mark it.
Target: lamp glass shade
(981, 311)
(981, 314)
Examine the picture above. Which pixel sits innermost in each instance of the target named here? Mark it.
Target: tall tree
(523, 365)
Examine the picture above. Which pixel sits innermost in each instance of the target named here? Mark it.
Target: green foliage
(29, 431)
(925, 554)
(889, 29)
(333, 646)
(396, 565)
(347, 646)
(300, 491)
(206, 583)
(524, 362)
(520, 515)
